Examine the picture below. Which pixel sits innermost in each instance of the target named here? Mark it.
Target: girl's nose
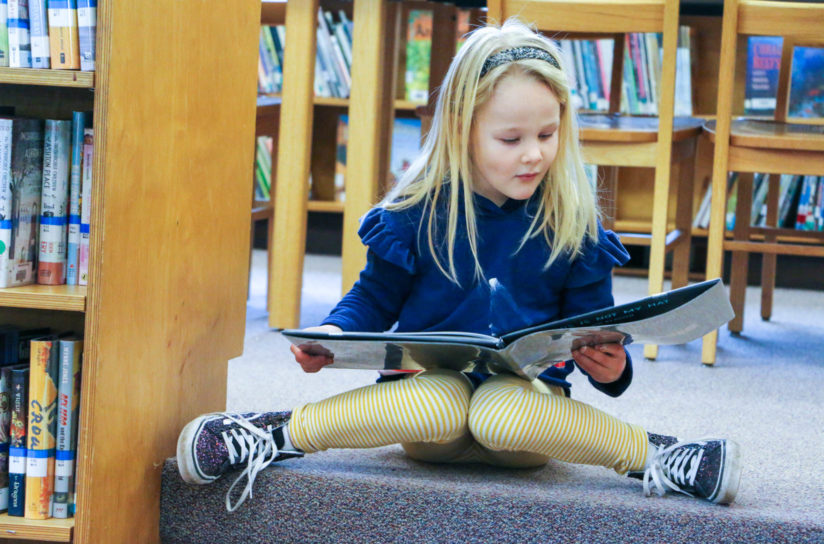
(531, 154)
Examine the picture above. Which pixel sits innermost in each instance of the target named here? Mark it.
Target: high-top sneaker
(708, 468)
(213, 444)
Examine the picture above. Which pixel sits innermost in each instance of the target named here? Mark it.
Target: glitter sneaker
(708, 468)
(213, 444)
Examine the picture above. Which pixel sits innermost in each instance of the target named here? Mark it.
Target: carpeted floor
(764, 392)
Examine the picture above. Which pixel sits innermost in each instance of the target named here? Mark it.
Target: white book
(51, 264)
(19, 43)
(85, 206)
(4, 33)
(87, 31)
(5, 193)
(39, 34)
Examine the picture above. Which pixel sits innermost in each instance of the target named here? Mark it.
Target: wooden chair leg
(769, 260)
(683, 221)
(740, 259)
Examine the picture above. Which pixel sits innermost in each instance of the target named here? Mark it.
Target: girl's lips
(527, 177)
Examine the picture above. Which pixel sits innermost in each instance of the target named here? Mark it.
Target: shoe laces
(253, 445)
(674, 468)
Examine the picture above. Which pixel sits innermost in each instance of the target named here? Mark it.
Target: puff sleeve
(375, 301)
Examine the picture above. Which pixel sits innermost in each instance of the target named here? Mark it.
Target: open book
(674, 317)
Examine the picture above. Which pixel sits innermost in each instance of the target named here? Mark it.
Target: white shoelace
(666, 467)
(253, 444)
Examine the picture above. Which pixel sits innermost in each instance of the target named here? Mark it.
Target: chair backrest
(582, 18)
(799, 23)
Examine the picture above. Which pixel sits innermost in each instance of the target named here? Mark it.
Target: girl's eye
(546, 136)
(510, 140)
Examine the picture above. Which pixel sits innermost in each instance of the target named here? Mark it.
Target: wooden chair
(610, 141)
(767, 146)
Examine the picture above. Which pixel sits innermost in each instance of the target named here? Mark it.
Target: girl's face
(514, 139)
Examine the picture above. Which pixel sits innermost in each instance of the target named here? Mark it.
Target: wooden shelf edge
(329, 206)
(50, 530)
(47, 77)
(70, 298)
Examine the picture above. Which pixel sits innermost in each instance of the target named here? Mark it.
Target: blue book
(18, 33)
(75, 183)
(17, 440)
(39, 34)
(87, 31)
(761, 84)
(807, 85)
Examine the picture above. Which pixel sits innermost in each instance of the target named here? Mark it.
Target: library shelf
(70, 298)
(328, 206)
(47, 78)
(48, 530)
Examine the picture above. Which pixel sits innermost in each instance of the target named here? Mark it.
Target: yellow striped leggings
(437, 417)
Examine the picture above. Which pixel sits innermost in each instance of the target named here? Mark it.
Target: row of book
(39, 400)
(333, 59)
(58, 34)
(45, 200)
(800, 202)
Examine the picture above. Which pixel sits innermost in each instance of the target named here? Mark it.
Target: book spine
(65, 44)
(40, 453)
(5, 199)
(66, 442)
(26, 183)
(4, 33)
(51, 266)
(17, 20)
(85, 207)
(17, 441)
(39, 34)
(5, 427)
(75, 184)
(87, 33)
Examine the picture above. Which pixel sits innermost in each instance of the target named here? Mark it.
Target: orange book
(64, 42)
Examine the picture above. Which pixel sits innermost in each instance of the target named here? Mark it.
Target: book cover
(406, 144)
(64, 40)
(761, 83)
(75, 184)
(68, 395)
(17, 19)
(39, 34)
(807, 83)
(87, 33)
(418, 54)
(85, 207)
(341, 144)
(26, 183)
(51, 263)
(42, 426)
(674, 317)
(17, 440)
(5, 196)
(4, 33)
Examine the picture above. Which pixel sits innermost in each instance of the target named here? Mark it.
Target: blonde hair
(567, 213)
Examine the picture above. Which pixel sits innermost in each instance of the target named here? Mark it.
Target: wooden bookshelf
(47, 78)
(165, 307)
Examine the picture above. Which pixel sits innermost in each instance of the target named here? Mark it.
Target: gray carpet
(764, 392)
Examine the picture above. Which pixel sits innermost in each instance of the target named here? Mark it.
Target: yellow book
(64, 42)
(40, 451)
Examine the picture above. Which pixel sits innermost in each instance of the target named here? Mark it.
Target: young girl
(493, 228)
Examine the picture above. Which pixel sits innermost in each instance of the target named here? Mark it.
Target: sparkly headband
(517, 53)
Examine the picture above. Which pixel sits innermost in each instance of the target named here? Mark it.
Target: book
(17, 20)
(674, 317)
(73, 238)
(761, 83)
(5, 425)
(341, 145)
(418, 54)
(39, 34)
(51, 262)
(42, 426)
(5, 194)
(807, 83)
(87, 33)
(65, 43)
(406, 144)
(68, 395)
(85, 207)
(4, 33)
(17, 440)
(26, 184)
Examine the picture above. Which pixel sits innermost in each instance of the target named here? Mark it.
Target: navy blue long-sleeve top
(402, 284)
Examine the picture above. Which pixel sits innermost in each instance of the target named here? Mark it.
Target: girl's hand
(603, 362)
(313, 363)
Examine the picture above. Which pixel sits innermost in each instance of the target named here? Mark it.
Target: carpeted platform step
(381, 496)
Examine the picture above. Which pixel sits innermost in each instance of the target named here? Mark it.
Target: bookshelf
(165, 306)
